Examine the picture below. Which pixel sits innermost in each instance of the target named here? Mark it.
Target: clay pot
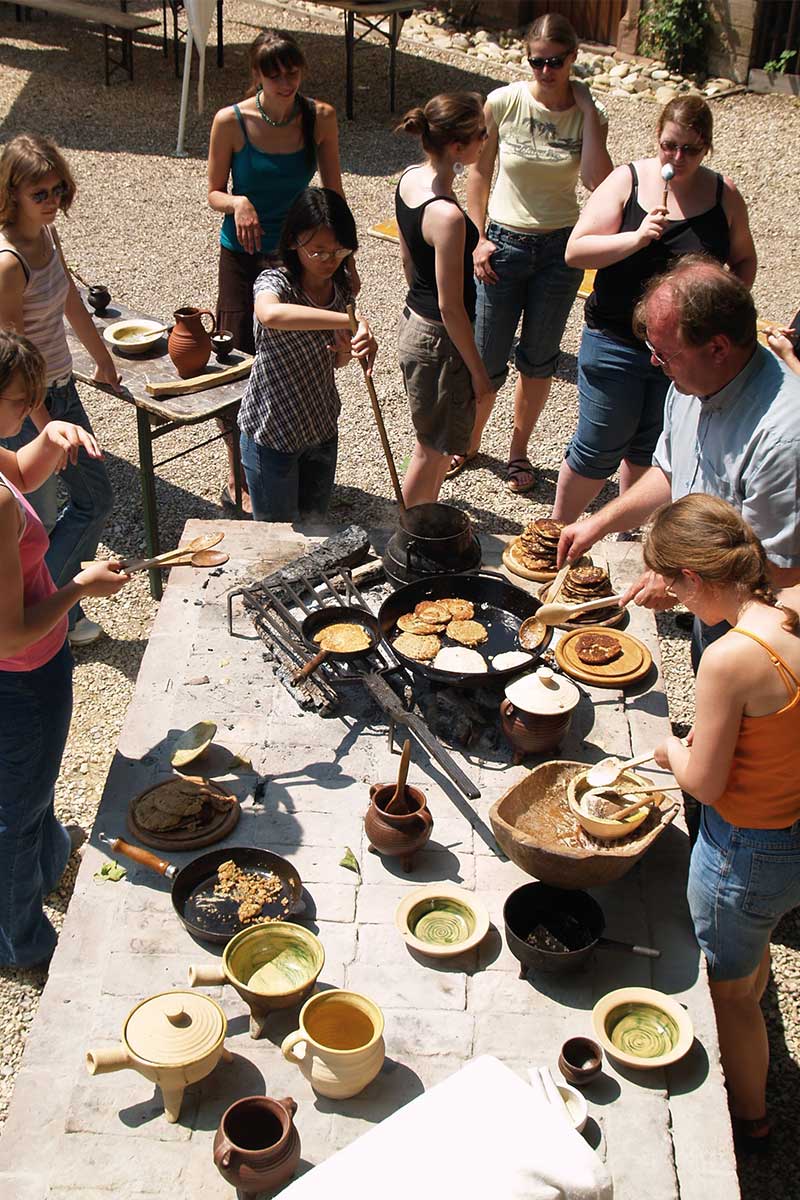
(537, 712)
(580, 1060)
(271, 966)
(99, 298)
(401, 832)
(256, 1147)
(343, 1035)
(222, 342)
(189, 343)
(173, 1039)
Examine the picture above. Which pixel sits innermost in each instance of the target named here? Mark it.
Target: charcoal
(345, 549)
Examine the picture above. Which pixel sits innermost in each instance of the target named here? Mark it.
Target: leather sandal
(516, 468)
(458, 466)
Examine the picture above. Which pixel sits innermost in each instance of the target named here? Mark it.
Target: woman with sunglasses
(742, 764)
(290, 409)
(37, 292)
(268, 146)
(546, 133)
(444, 377)
(631, 229)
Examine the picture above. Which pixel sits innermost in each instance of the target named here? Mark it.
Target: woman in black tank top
(633, 228)
(442, 370)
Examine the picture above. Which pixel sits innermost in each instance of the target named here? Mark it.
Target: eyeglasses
(555, 62)
(58, 193)
(662, 362)
(690, 149)
(327, 256)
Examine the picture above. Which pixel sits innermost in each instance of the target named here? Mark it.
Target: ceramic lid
(543, 693)
(175, 1028)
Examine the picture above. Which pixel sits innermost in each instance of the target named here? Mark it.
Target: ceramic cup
(256, 1147)
(580, 1060)
(344, 1048)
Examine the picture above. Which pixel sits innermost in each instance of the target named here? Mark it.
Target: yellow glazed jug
(343, 1035)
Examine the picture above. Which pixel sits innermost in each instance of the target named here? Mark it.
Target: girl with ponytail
(743, 765)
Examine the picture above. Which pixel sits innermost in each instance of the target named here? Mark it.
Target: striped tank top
(43, 309)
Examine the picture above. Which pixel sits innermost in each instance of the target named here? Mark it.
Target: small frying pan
(206, 916)
(333, 614)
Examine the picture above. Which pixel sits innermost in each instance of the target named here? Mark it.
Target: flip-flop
(517, 467)
(459, 467)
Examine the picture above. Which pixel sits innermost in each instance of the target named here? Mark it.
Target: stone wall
(732, 40)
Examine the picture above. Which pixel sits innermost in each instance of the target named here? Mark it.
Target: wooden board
(200, 383)
(214, 831)
(93, 13)
(619, 616)
(385, 231)
(633, 665)
(517, 568)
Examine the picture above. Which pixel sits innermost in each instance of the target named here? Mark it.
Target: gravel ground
(141, 224)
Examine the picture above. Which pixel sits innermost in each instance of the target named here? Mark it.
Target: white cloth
(199, 14)
(481, 1133)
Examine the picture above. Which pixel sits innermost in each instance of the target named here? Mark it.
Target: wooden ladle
(556, 614)
(606, 773)
(402, 776)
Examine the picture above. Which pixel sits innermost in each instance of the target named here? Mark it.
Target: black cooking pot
(438, 532)
(572, 918)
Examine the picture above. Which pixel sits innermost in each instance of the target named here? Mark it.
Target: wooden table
(156, 418)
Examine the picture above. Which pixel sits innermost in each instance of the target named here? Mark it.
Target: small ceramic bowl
(642, 1028)
(605, 828)
(222, 341)
(580, 1060)
(133, 336)
(441, 920)
(194, 742)
(576, 1106)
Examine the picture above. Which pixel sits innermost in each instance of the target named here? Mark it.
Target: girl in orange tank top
(742, 764)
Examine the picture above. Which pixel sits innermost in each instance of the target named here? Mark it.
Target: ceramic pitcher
(257, 1147)
(343, 1037)
(189, 343)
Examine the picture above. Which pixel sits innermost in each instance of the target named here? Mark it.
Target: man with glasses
(731, 426)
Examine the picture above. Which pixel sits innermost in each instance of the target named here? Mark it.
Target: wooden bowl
(534, 826)
(441, 920)
(642, 1028)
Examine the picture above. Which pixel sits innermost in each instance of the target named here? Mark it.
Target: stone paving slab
(664, 1134)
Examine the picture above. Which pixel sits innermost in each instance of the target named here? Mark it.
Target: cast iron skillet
(336, 614)
(499, 606)
(218, 920)
(571, 916)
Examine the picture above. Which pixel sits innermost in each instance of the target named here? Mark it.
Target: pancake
(468, 633)
(421, 649)
(433, 612)
(460, 610)
(597, 649)
(510, 659)
(343, 638)
(461, 660)
(410, 623)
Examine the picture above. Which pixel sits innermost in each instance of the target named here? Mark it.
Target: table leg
(394, 38)
(237, 473)
(220, 39)
(349, 48)
(149, 510)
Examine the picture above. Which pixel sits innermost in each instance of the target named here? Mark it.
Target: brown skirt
(237, 274)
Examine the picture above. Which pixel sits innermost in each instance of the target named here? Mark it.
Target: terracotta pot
(529, 734)
(173, 1039)
(189, 343)
(99, 298)
(537, 711)
(256, 1147)
(397, 834)
(272, 966)
(343, 1035)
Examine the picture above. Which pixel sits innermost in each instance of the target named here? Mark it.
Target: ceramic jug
(99, 298)
(401, 831)
(537, 712)
(344, 1048)
(189, 343)
(256, 1146)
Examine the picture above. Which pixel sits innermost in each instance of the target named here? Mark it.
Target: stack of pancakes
(536, 547)
(587, 583)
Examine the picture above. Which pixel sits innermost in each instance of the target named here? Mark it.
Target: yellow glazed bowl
(134, 335)
(607, 829)
(642, 1027)
(441, 920)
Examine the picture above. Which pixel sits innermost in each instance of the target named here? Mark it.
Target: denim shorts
(620, 406)
(534, 282)
(741, 882)
(438, 385)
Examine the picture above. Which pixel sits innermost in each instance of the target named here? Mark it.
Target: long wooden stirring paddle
(376, 412)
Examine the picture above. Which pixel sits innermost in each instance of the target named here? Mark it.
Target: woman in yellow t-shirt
(547, 132)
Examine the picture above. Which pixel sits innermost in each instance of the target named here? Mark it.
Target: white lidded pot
(537, 711)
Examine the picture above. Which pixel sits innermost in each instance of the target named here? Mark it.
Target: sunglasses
(327, 256)
(662, 362)
(555, 62)
(689, 149)
(58, 193)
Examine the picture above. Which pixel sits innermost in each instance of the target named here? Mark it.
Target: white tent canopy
(199, 14)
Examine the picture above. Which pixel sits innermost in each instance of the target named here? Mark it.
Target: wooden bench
(123, 24)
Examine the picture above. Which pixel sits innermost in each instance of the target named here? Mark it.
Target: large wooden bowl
(533, 824)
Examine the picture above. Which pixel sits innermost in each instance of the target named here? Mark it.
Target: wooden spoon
(556, 614)
(606, 773)
(402, 775)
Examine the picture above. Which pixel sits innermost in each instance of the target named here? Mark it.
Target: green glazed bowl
(642, 1028)
(441, 920)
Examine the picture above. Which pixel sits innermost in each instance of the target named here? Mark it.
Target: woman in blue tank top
(269, 147)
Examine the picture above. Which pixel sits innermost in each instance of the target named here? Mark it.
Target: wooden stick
(376, 410)
(557, 584)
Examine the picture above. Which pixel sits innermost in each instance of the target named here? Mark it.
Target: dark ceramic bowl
(222, 341)
(580, 1060)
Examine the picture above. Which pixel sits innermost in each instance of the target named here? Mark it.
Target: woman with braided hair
(743, 765)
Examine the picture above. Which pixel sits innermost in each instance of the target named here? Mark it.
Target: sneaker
(84, 633)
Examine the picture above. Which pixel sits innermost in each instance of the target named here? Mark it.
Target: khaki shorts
(438, 385)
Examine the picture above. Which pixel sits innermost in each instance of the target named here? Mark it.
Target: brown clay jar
(404, 830)
(529, 733)
(257, 1147)
(537, 711)
(189, 343)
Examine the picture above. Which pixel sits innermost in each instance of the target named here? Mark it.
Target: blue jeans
(74, 534)
(741, 882)
(289, 487)
(533, 282)
(35, 711)
(620, 406)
